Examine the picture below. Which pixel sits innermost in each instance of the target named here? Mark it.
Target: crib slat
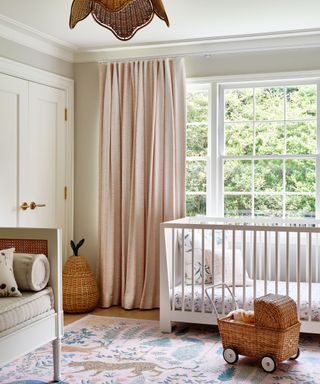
(233, 262)
(298, 273)
(192, 266)
(277, 259)
(316, 258)
(310, 276)
(244, 267)
(265, 260)
(203, 271)
(212, 262)
(223, 270)
(254, 264)
(173, 270)
(182, 271)
(287, 263)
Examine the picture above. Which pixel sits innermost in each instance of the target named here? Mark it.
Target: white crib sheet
(260, 291)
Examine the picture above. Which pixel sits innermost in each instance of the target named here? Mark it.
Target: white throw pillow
(31, 271)
(8, 285)
(198, 271)
(228, 261)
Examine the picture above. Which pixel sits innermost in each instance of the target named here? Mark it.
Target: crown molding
(207, 47)
(31, 38)
(34, 39)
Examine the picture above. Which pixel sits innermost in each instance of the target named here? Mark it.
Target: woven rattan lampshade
(123, 17)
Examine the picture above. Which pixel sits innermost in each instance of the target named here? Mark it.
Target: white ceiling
(191, 21)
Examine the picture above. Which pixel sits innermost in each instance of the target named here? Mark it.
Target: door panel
(42, 158)
(13, 113)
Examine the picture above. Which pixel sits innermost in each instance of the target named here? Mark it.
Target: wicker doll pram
(273, 337)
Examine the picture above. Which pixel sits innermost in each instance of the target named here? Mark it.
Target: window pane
(268, 206)
(197, 106)
(238, 104)
(239, 139)
(196, 177)
(300, 175)
(268, 175)
(195, 205)
(302, 102)
(237, 205)
(197, 140)
(237, 175)
(300, 206)
(302, 137)
(269, 139)
(269, 103)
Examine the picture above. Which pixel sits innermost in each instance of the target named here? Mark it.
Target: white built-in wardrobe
(36, 148)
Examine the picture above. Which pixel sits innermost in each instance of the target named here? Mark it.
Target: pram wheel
(295, 356)
(268, 364)
(230, 355)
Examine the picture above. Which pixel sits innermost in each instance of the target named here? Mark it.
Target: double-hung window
(263, 154)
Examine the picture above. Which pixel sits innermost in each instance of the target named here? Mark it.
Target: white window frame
(215, 180)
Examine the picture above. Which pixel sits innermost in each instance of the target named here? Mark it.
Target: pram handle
(223, 285)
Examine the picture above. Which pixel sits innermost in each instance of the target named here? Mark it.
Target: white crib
(254, 257)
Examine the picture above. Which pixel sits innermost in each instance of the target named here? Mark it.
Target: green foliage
(197, 140)
(283, 121)
(270, 139)
(269, 103)
(75, 247)
(237, 176)
(196, 177)
(268, 175)
(302, 137)
(197, 107)
(301, 175)
(237, 205)
(239, 139)
(195, 205)
(302, 102)
(239, 104)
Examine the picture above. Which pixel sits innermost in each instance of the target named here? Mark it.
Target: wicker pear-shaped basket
(80, 291)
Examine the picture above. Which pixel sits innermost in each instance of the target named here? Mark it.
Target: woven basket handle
(223, 285)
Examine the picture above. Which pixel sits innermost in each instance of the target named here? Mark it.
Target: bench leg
(56, 346)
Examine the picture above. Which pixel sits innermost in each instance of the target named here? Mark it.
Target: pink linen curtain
(142, 174)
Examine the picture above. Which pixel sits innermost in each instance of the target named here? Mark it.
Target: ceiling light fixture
(123, 17)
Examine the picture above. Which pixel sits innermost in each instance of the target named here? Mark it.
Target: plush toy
(240, 315)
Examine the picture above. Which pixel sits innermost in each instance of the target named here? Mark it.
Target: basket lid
(275, 311)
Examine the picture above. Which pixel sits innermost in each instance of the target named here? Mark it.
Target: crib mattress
(249, 297)
(15, 312)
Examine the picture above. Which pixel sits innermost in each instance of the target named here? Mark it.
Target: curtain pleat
(142, 174)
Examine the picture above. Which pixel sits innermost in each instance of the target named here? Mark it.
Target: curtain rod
(146, 58)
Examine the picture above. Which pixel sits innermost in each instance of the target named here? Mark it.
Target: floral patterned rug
(110, 350)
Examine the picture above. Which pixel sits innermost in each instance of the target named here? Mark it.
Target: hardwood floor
(150, 314)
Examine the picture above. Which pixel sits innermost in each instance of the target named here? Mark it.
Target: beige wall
(25, 55)
(86, 158)
(86, 121)
(253, 62)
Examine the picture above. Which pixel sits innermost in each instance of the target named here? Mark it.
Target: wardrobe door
(13, 121)
(43, 159)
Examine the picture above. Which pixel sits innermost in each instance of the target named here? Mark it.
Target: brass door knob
(24, 206)
(34, 205)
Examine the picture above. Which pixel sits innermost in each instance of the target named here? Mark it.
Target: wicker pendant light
(123, 17)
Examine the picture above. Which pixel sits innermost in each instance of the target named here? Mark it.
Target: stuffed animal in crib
(242, 316)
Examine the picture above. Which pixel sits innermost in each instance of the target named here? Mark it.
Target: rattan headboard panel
(26, 245)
